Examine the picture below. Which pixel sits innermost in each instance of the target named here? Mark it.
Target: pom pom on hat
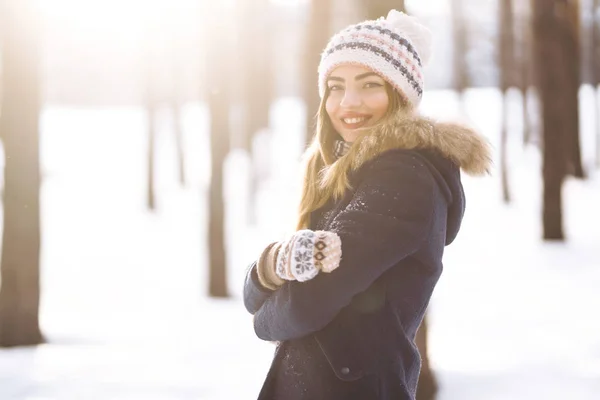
(410, 27)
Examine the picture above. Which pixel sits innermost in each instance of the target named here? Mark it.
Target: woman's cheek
(331, 105)
(379, 100)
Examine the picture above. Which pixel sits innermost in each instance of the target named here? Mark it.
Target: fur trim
(409, 130)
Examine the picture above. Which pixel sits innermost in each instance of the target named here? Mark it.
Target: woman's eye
(335, 87)
(370, 85)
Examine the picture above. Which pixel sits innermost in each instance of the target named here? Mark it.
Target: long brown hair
(320, 154)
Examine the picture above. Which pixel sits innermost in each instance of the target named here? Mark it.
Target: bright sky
(109, 9)
(418, 6)
(110, 20)
(118, 19)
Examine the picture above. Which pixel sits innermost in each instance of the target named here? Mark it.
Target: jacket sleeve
(254, 293)
(388, 218)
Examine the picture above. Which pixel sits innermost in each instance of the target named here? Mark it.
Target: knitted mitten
(302, 262)
(308, 252)
(328, 251)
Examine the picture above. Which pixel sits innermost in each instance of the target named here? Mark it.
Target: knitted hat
(397, 48)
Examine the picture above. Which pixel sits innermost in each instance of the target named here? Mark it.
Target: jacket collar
(408, 130)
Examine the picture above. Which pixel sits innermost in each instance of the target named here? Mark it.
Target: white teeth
(353, 120)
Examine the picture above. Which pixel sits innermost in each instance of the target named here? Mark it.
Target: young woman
(382, 197)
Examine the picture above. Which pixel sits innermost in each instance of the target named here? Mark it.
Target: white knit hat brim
(373, 62)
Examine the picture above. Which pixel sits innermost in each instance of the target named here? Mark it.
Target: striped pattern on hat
(389, 47)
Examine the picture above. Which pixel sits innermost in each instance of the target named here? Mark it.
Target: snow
(124, 303)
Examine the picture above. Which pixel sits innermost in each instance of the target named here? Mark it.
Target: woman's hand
(299, 258)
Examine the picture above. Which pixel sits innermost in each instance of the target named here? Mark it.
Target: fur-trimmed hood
(408, 130)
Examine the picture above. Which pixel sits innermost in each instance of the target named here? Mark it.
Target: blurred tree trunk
(151, 108)
(460, 46)
(573, 52)
(148, 65)
(177, 101)
(507, 80)
(595, 42)
(553, 66)
(219, 106)
(318, 32)
(255, 46)
(525, 68)
(19, 129)
(380, 8)
(176, 106)
(258, 86)
(427, 387)
(506, 197)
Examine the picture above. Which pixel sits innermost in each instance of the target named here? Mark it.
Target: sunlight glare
(116, 17)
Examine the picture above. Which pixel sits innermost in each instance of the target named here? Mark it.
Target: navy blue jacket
(350, 333)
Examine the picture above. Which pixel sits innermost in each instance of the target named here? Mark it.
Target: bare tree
(427, 387)
(460, 46)
(150, 99)
(176, 106)
(255, 47)
(571, 38)
(552, 65)
(595, 46)
(176, 101)
(507, 80)
(219, 106)
(524, 64)
(380, 8)
(19, 129)
(151, 116)
(318, 28)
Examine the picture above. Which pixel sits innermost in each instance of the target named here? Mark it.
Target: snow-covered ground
(124, 305)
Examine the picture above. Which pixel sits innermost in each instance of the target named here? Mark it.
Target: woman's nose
(351, 99)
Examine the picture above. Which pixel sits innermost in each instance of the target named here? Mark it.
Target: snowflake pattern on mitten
(303, 267)
(306, 253)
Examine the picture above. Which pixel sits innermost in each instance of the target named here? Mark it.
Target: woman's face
(357, 99)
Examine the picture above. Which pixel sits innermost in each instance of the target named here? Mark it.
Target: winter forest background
(150, 150)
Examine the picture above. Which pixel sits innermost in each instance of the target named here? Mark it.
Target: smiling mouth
(354, 122)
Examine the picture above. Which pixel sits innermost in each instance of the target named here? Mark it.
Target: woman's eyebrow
(356, 78)
(365, 75)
